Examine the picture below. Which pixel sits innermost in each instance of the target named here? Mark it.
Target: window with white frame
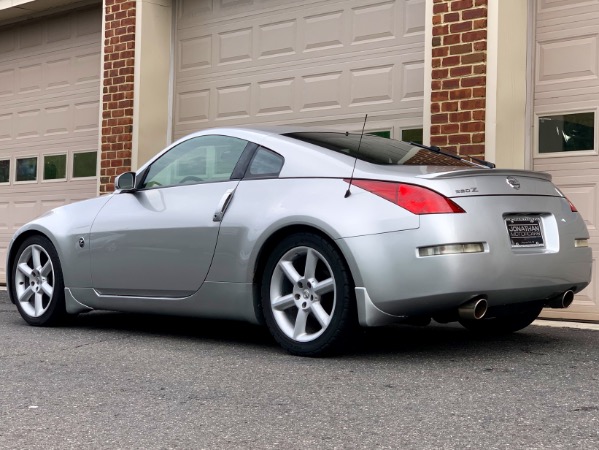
(26, 169)
(566, 132)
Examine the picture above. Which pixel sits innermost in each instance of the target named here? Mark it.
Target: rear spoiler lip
(486, 172)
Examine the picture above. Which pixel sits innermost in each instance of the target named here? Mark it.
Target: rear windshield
(377, 150)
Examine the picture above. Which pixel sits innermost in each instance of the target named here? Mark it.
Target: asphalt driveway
(113, 380)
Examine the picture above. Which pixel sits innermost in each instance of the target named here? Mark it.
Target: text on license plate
(525, 231)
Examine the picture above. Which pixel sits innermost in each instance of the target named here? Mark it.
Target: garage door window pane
(4, 170)
(84, 164)
(384, 134)
(567, 132)
(55, 167)
(413, 135)
(26, 169)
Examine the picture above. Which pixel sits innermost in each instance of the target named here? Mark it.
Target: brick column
(117, 91)
(459, 76)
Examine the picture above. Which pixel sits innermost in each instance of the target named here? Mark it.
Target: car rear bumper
(397, 281)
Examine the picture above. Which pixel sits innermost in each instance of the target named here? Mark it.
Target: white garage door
(49, 97)
(566, 104)
(313, 61)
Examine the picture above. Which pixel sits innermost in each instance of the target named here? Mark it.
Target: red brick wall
(117, 91)
(459, 55)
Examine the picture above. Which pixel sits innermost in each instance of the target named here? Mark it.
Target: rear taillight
(572, 207)
(416, 199)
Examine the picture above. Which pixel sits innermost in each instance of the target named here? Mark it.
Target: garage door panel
(30, 200)
(4, 240)
(17, 49)
(52, 74)
(189, 12)
(584, 196)
(556, 13)
(581, 186)
(4, 216)
(378, 84)
(560, 61)
(567, 83)
(323, 31)
(50, 94)
(73, 114)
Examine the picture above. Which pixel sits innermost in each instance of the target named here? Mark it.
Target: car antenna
(348, 193)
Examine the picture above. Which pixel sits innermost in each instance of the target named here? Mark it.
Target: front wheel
(308, 297)
(37, 283)
(505, 324)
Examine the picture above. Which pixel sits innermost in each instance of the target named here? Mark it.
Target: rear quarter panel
(262, 207)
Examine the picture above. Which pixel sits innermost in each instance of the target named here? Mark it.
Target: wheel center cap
(306, 294)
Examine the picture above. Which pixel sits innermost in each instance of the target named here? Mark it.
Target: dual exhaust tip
(562, 301)
(474, 309)
(477, 308)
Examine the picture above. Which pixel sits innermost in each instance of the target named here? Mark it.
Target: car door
(159, 240)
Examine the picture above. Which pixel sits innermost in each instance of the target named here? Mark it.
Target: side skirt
(213, 300)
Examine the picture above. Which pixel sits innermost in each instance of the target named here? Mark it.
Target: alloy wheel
(34, 280)
(302, 294)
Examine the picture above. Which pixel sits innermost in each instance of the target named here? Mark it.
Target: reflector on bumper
(451, 249)
(581, 242)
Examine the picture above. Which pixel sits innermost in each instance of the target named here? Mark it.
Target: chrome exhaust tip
(562, 301)
(474, 309)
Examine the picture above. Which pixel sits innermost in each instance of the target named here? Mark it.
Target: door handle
(222, 205)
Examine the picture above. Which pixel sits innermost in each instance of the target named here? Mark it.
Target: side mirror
(125, 181)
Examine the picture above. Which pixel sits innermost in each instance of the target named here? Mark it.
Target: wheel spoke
(26, 294)
(25, 269)
(321, 315)
(311, 260)
(283, 302)
(37, 262)
(324, 286)
(49, 290)
(46, 269)
(300, 323)
(289, 271)
(39, 307)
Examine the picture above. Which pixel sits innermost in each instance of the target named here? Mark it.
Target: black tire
(50, 309)
(307, 297)
(496, 326)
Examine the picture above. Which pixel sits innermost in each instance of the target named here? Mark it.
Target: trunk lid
(459, 181)
(483, 182)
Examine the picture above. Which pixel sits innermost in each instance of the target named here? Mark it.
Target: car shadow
(452, 341)
(441, 341)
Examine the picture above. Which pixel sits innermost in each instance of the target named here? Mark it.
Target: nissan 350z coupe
(312, 233)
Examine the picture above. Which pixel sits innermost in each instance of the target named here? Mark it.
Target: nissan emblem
(513, 182)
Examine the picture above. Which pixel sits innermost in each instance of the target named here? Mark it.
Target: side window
(197, 160)
(265, 164)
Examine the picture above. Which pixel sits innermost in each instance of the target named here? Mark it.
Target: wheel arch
(14, 247)
(268, 246)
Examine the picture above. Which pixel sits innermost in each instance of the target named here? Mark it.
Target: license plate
(525, 231)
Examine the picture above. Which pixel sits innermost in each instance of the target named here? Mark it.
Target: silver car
(312, 233)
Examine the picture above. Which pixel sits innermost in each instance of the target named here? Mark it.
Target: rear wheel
(308, 296)
(504, 324)
(38, 287)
